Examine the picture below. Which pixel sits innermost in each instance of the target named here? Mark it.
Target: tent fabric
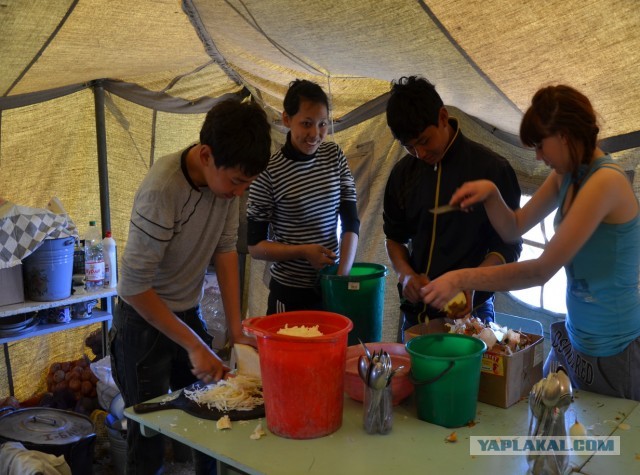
(162, 63)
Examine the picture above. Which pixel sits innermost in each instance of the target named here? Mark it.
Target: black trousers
(283, 298)
(146, 364)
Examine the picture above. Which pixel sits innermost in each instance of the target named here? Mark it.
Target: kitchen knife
(444, 209)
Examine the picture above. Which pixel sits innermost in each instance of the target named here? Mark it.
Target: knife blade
(445, 209)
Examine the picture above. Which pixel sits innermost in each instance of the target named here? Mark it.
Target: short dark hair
(239, 135)
(562, 109)
(413, 106)
(302, 89)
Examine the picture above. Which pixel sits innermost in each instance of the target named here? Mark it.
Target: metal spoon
(363, 367)
(366, 350)
(550, 397)
(394, 371)
(551, 391)
(566, 390)
(375, 378)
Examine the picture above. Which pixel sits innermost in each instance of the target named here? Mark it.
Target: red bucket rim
(255, 325)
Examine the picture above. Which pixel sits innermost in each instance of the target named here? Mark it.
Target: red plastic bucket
(302, 377)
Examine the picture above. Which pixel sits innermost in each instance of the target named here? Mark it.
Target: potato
(86, 388)
(75, 384)
(58, 376)
(456, 304)
(86, 374)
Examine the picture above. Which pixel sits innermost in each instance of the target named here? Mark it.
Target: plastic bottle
(110, 261)
(93, 259)
(78, 259)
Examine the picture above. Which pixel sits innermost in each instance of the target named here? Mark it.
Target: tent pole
(101, 139)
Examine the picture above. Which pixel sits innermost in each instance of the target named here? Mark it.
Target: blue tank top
(603, 299)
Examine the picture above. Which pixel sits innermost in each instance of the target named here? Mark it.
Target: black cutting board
(198, 410)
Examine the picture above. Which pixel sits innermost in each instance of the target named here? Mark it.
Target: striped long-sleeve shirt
(300, 197)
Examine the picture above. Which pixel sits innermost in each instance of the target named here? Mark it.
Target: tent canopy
(158, 65)
(486, 58)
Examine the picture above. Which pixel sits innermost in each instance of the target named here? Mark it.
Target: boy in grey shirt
(185, 215)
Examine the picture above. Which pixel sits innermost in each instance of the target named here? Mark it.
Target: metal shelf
(46, 328)
(79, 295)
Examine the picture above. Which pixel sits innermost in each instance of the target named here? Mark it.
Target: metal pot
(52, 431)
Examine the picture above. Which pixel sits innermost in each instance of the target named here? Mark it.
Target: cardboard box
(437, 325)
(11, 285)
(504, 379)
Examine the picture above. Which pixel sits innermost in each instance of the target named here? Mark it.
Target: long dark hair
(562, 109)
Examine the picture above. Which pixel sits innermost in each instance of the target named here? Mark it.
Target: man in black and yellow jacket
(422, 245)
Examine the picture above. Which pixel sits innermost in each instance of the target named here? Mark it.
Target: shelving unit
(103, 316)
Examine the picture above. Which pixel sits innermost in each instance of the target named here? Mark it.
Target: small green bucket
(358, 296)
(445, 369)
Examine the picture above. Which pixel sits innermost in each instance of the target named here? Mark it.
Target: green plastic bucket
(358, 296)
(445, 369)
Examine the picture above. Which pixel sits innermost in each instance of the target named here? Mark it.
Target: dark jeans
(146, 364)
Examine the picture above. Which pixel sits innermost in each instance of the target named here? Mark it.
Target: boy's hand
(207, 367)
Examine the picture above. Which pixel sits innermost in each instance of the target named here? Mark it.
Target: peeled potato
(456, 304)
(577, 429)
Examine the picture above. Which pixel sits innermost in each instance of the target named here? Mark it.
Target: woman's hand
(473, 192)
(440, 291)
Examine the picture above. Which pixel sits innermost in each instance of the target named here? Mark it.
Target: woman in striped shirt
(293, 206)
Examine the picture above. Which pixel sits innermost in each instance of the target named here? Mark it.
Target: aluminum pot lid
(46, 426)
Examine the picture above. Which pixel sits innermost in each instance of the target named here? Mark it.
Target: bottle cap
(107, 234)
(92, 223)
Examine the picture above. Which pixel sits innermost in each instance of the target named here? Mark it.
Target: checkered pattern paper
(23, 229)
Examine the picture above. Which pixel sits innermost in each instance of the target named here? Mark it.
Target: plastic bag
(105, 387)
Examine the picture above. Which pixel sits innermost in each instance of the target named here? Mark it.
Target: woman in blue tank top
(597, 240)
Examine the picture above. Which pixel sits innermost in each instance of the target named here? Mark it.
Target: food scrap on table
(223, 423)
(258, 432)
(453, 437)
(577, 429)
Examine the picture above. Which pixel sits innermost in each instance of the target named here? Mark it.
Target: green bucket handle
(430, 381)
